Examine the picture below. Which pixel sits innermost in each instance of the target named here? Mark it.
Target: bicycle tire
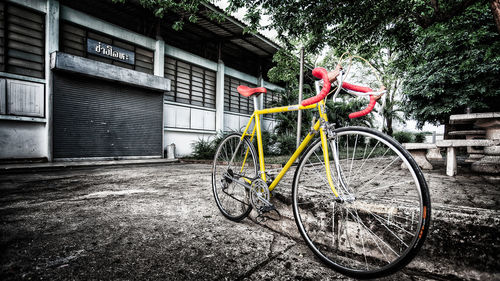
(385, 225)
(231, 198)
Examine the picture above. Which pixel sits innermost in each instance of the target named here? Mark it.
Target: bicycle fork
(328, 139)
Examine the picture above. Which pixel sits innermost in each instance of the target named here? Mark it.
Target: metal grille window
(74, 41)
(190, 84)
(233, 101)
(22, 41)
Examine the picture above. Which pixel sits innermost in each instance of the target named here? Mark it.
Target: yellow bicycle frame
(317, 126)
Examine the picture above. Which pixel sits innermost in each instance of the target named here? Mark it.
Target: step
(462, 242)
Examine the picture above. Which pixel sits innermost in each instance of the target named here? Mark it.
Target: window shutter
(25, 41)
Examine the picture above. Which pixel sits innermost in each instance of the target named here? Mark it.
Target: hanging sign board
(98, 48)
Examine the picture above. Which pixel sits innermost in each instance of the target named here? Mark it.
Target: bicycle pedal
(266, 209)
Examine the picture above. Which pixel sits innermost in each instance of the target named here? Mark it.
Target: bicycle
(359, 200)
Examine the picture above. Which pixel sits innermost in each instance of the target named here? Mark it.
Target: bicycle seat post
(256, 104)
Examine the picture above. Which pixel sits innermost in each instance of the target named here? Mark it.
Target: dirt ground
(160, 222)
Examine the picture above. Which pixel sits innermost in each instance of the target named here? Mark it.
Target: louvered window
(190, 84)
(74, 41)
(233, 101)
(22, 41)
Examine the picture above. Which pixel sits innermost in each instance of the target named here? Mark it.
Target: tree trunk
(495, 9)
(389, 125)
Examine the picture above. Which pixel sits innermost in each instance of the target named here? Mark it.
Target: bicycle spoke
(352, 160)
(383, 170)
(391, 223)
(358, 219)
(380, 218)
(384, 187)
(363, 164)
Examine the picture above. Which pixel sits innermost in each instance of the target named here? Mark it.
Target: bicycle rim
(232, 198)
(384, 220)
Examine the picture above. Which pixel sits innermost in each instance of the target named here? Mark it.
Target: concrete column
(51, 45)
(451, 161)
(159, 64)
(159, 70)
(219, 97)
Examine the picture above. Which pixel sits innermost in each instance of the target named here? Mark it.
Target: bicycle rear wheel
(384, 217)
(235, 160)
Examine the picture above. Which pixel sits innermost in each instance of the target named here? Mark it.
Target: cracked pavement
(155, 222)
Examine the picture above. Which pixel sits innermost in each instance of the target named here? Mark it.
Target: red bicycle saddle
(247, 91)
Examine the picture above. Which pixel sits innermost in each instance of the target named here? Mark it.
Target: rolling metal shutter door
(97, 118)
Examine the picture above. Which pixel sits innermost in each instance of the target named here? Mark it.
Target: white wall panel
(236, 122)
(197, 119)
(25, 98)
(22, 140)
(183, 141)
(231, 122)
(169, 115)
(243, 122)
(183, 117)
(3, 96)
(209, 121)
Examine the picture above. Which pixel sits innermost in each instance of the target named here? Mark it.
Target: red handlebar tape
(356, 88)
(365, 111)
(319, 72)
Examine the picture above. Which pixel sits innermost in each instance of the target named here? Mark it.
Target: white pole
(301, 84)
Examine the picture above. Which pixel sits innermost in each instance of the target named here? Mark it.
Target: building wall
(184, 141)
(21, 140)
(23, 98)
(29, 135)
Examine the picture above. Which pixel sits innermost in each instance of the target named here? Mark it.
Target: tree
(343, 23)
(382, 67)
(456, 65)
(459, 70)
(183, 9)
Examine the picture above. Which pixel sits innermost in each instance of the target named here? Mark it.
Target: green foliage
(183, 9)
(206, 148)
(338, 113)
(373, 142)
(449, 50)
(403, 137)
(287, 68)
(203, 149)
(286, 144)
(457, 65)
(273, 144)
(268, 143)
(287, 121)
(343, 23)
(420, 137)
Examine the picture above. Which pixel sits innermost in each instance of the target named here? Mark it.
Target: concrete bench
(468, 133)
(451, 157)
(475, 153)
(421, 152)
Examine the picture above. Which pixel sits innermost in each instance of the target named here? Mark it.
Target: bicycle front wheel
(383, 216)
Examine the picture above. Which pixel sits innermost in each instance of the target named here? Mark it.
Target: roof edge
(242, 25)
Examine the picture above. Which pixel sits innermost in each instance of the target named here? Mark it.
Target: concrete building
(93, 79)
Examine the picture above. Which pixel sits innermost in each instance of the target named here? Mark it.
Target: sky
(271, 34)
